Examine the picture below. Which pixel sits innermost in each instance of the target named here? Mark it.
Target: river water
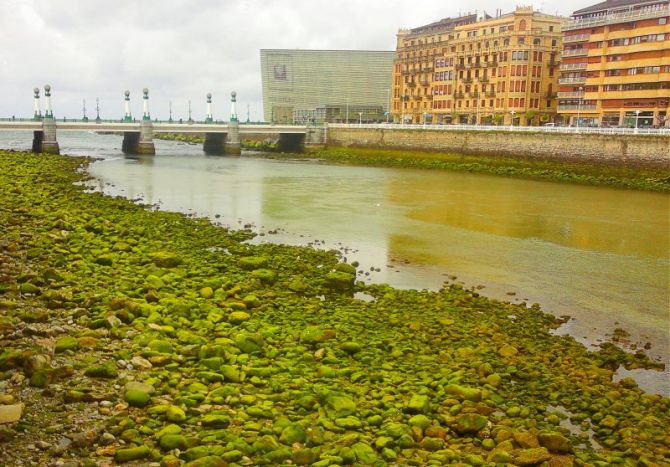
(599, 255)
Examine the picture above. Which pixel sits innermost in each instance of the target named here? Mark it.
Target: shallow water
(599, 255)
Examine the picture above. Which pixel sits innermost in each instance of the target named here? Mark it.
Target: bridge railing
(517, 129)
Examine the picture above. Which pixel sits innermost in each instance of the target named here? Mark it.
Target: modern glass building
(326, 85)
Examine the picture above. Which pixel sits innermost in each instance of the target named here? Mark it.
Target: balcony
(571, 95)
(576, 38)
(550, 95)
(575, 52)
(577, 108)
(573, 66)
(484, 79)
(424, 82)
(616, 17)
(411, 84)
(572, 80)
(467, 80)
(460, 66)
(490, 94)
(459, 95)
(473, 94)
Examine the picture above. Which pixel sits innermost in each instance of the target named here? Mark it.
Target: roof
(613, 5)
(445, 24)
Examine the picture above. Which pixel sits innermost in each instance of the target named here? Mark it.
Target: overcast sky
(182, 49)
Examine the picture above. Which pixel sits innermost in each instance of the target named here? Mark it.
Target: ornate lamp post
(38, 111)
(126, 107)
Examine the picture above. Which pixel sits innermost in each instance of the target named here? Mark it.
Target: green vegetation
(198, 139)
(188, 345)
(569, 172)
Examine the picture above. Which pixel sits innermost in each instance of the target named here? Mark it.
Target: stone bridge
(220, 138)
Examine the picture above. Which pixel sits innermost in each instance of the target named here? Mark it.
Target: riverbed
(596, 254)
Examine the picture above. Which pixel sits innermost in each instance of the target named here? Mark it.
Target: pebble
(11, 413)
(6, 399)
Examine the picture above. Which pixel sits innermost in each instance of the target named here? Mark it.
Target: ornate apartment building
(488, 70)
(616, 64)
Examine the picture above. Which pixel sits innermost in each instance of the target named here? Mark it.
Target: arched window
(522, 25)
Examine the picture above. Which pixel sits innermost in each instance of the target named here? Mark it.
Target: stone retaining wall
(634, 150)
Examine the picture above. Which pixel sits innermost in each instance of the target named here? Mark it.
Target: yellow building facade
(487, 70)
(616, 65)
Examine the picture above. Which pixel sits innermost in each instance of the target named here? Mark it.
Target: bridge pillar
(233, 145)
(45, 140)
(139, 142)
(215, 144)
(146, 142)
(315, 136)
(291, 142)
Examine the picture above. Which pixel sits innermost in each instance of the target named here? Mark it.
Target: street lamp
(637, 118)
(579, 105)
(388, 103)
(512, 123)
(360, 118)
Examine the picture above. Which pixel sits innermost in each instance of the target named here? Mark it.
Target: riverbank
(564, 172)
(132, 334)
(586, 173)
(256, 145)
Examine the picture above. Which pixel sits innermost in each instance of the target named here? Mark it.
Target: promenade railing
(510, 128)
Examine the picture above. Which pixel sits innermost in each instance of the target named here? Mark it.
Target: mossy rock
(316, 335)
(175, 414)
(340, 281)
(164, 259)
(470, 423)
(266, 276)
(250, 263)
(136, 398)
(66, 343)
(107, 370)
(238, 317)
(28, 288)
(351, 347)
(207, 461)
(293, 433)
(345, 268)
(249, 343)
(132, 454)
(173, 441)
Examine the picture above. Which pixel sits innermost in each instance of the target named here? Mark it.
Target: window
(662, 21)
(553, 42)
(551, 29)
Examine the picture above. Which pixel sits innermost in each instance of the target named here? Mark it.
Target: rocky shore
(138, 337)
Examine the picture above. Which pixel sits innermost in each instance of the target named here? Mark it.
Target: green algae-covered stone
(431, 444)
(470, 423)
(249, 263)
(207, 461)
(249, 343)
(161, 346)
(341, 281)
(420, 421)
(419, 403)
(238, 317)
(164, 259)
(232, 456)
(364, 453)
(315, 335)
(107, 370)
(170, 429)
(266, 276)
(215, 420)
(136, 398)
(175, 414)
(132, 454)
(293, 433)
(507, 351)
(349, 423)
(530, 456)
(197, 452)
(169, 442)
(554, 442)
(351, 347)
(464, 392)
(339, 406)
(265, 443)
(39, 379)
(66, 343)
(28, 288)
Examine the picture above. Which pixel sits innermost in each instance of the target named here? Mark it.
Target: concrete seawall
(630, 150)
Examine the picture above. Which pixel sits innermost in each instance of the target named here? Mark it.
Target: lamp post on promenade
(512, 122)
(637, 118)
(360, 119)
(579, 105)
